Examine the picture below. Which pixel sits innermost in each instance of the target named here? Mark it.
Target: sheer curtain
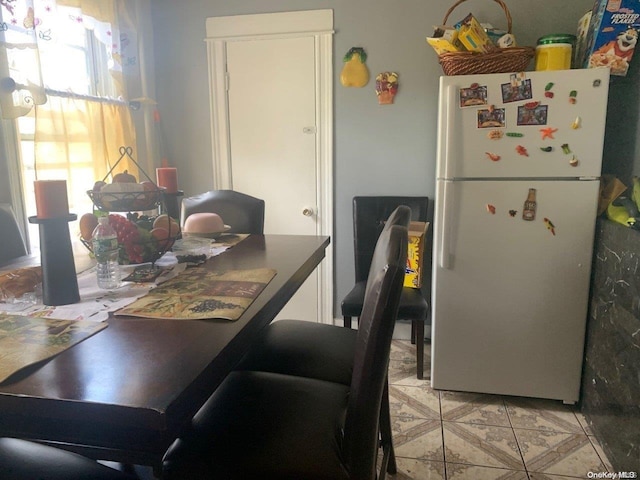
(65, 70)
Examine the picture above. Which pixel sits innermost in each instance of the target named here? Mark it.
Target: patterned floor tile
(548, 415)
(410, 469)
(474, 408)
(460, 471)
(417, 438)
(543, 476)
(558, 453)
(418, 402)
(484, 445)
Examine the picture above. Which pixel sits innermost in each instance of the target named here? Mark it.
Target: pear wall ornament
(355, 72)
(386, 87)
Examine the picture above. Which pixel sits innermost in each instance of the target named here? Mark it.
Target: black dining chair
(24, 460)
(369, 216)
(272, 426)
(13, 244)
(242, 212)
(316, 350)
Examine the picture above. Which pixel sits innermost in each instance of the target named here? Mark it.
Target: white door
(272, 113)
(271, 80)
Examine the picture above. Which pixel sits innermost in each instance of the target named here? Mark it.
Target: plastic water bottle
(105, 248)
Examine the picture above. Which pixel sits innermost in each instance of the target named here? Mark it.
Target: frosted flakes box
(613, 34)
(415, 254)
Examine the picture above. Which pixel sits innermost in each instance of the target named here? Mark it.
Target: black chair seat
(305, 349)
(23, 460)
(264, 425)
(413, 305)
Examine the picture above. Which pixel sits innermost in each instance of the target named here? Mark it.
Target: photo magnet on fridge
(491, 117)
(474, 95)
(532, 116)
(516, 93)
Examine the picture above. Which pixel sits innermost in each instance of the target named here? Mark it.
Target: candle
(51, 198)
(167, 177)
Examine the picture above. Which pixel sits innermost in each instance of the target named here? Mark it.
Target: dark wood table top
(124, 393)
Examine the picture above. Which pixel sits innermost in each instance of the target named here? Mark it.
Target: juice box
(415, 254)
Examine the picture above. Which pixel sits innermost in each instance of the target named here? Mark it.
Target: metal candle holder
(59, 281)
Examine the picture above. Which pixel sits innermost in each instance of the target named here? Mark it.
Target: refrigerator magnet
(495, 134)
(493, 157)
(574, 161)
(522, 151)
(547, 90)
(516, 93)
(548, 132)
(550, 226)
(532, 115)
(547, 149)
(491, 209)
(513, 213)
(473, 96)
(491, 117)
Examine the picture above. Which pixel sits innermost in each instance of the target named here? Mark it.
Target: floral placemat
(28, 340)
(198, 293)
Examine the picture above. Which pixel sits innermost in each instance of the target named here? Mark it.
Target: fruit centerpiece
(142, 238)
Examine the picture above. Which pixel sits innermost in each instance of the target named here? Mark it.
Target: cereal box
(612, 35)
(415, 254)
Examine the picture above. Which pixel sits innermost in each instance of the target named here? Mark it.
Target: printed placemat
(198, 293)
(28, 340)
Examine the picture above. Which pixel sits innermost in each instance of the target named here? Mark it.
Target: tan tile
(473, 408)
(417, 438)
(558, 453)
(548, 415)
(411, 469)
(545, 476)
(484, 445)
(409, 401)
(460, 471)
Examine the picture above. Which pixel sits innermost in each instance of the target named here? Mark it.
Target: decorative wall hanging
(355, 72)
(386, 87)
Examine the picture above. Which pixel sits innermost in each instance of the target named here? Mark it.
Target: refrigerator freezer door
(510, 296)
(543, 111)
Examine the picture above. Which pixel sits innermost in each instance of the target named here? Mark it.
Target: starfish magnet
(548, 132)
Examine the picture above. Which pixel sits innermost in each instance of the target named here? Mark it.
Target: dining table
(126, 393)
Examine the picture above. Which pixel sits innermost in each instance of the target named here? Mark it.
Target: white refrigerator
(519, 160)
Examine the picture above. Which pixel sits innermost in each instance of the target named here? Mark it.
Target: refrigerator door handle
(449, 141)
(445, 254)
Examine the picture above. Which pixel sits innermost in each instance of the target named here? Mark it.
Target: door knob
(307, 212)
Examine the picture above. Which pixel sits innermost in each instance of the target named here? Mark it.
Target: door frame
(311, 23)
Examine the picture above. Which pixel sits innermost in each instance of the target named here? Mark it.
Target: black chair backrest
(242, 212)
(369, 217)
(373, 344)
(13, 245)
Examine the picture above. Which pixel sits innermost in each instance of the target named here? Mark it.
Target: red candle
(167, 177)
(51, 198)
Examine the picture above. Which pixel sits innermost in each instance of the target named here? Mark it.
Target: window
(68, 136)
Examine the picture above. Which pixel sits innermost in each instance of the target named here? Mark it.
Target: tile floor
(453, 435)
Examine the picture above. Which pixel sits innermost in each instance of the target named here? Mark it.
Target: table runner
(95, 303)
(28, 340)
(202, 294)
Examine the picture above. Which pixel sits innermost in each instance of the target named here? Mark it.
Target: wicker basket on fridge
(502, 60)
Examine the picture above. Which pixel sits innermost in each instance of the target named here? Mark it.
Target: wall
(378, 149)
(611, 379)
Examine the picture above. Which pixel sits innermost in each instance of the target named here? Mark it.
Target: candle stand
(171, 205)
(59, 281)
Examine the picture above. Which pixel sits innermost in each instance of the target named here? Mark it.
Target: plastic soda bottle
(105, 248)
